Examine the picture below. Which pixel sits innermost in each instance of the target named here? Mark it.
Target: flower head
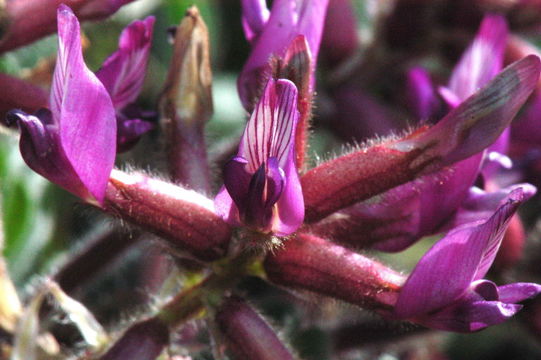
(73, 144)
(261, 185)
(446, 289)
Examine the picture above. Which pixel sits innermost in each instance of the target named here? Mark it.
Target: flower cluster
(454, 175)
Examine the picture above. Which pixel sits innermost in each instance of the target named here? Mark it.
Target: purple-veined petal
(445, 272)
(498, 224)
(270, 130)
(82, 110)
(123, 73)
(255, 15)
(517, 292)
(263, 176)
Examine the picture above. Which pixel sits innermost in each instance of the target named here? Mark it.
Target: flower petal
(123, 73)
(517, 292)
(482, 60)
(445, 272)
(41, 150)
(290, 213)
(420, 94)
(255, 15)
(270, 131)
(82, 110)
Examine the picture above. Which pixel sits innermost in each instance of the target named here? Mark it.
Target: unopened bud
(184, 218)
(186, 102)
(143, 341)
(247, 335)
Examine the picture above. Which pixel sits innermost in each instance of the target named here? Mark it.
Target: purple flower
(272, 33)
(446, 289)
(261, 185)
(418, 208)
(74, 143)
(123, 74)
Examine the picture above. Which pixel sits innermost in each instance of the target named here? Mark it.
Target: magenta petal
(445, 272)
(270, 131)
(482, 60)
(41, 150)
(124, 71)
(517, 292)
(261, 182)
(420, 94)
(82, 111)
(290, 214)
(255, 15)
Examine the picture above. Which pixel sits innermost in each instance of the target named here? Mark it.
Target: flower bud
(184, 218)
(247, 335)
(144, 340)
(307, 262)
(186, 103)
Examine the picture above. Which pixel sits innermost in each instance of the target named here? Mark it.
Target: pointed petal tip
(64, 9)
